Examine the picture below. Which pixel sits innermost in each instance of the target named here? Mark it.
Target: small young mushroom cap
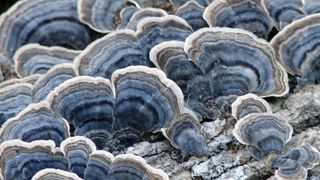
(237, 62)
(244, 14)
(36, 59)
(13, 99)
(185, 134)
(146, 101)
(35, 122)
(52, 79)
(102, 15)
(178, 3)
(126, 14)
(297, 47)
(114, 51)
(86, 103)
(98, 165)
(249, 104)
(284, 12)
(49, 23)
(21, 160)
(289, 169)
(129, 166)
(264, 133)
(77, 150)
(192, 12)
(306, 155)
(55, 174)
(155, 30)
(170, 57)
(144, 13)
(311, 6)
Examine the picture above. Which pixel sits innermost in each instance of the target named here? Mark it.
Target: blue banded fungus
(102, 15)
(77, 150)
(35, 122)
(244, 14)
(154, 30)
(36, 59)
(185, 133)
(178, 3)
(297, 47)
(249, 104)
(98, 165)
(192, 12)
(144, 13)
(55, 174)
(13, 99)
(21, 160)
(284, 12)
(116, 50)
(28, 79)
(86, 103)
(311, 6)
(265, 134)
(52, 79)
(49, 23)
(126, 14)
(289, 169)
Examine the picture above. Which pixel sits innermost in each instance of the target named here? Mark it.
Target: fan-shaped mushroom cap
(49, 23)
(126, 14)
(77, 150)
(234, 55)
(311, 6)
(244, 14)
(98, 165)
(128, 166)
(86, 103)
(155, 30)
(13, 99)
(306, 155)
(35, 122)
(144, 13)
(264, 133)
(297, 47)
(146, 101)
(185, 134)
(54, 77)
(284, 12)
(102, 15)
(178, 3)
(55, 174)
(249, 104)
(192, 12)
(36, 59)
(289, 169)
(170, 57)
(21, 160)
(116, 50)
(28, 79)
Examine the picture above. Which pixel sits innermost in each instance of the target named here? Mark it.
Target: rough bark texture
(229, 159)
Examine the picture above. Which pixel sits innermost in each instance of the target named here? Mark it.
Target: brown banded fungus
(249, 104)
(49, 23)
(36, 59)
(284, 12)
(35, 122)
(116, 50)
(102, 15)
(243, 14)
(265, 134)
(297, 48)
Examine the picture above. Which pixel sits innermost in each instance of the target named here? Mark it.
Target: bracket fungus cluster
(84, 77)
(76, 158)
(220, 64)
(266, 136)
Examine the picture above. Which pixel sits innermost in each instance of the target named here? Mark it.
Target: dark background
(5, 4)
